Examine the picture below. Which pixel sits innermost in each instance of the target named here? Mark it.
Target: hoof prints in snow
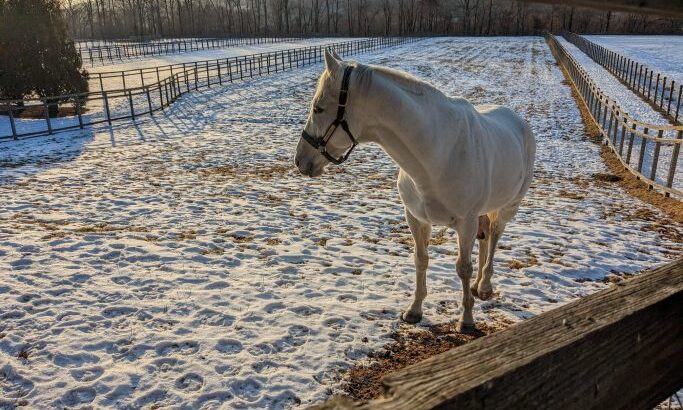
(188, 266)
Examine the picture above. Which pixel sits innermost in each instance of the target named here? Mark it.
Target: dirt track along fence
(110, 53)
(109, 106)
(619, 348)
(657, 89)
(649, 151)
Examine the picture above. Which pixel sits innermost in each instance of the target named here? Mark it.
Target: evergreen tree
(37, 57)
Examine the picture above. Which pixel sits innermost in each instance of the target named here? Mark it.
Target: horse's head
(326, 137)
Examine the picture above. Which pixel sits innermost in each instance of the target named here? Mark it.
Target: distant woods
(109, 19)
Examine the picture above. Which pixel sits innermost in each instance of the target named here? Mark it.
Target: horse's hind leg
(421, 233)
(483, 234)
(497, 226)
(467, 232)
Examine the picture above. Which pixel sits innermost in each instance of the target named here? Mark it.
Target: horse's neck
(401, 120)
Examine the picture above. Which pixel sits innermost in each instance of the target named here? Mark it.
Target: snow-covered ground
(660, 53)
(637, 109)
(183, 262)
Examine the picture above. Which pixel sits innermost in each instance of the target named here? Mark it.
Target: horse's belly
(420, 205)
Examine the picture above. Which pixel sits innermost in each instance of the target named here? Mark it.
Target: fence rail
(108, 106)
(649, 151)
(657, 89)
(619, 348)
(108, 53)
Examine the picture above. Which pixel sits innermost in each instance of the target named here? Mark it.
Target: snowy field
(660, 53)
(183, 262)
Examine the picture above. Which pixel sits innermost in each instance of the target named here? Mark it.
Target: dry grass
(237, 238)
(213, 251)
(106, 227)
(571, 195)
(245, 173)
(532, 260)
(191, 234)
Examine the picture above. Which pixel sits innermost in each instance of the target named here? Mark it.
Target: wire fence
(651, 152)
(109, 53)
(107, 106)
(656, 88)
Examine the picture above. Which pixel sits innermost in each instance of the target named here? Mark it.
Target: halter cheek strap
(320, 143)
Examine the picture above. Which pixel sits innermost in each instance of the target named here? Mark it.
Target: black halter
(320, 143)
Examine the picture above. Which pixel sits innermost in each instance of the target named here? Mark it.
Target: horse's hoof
(485, 294)
(411, 318)
(474, 292)
(465, 327)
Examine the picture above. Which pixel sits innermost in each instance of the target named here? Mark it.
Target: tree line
(141, 19)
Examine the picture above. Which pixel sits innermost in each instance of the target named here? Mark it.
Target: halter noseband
(320, 143)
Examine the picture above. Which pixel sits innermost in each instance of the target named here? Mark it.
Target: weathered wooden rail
(649, 151)
(619, 348)
(110, 53)
(108, 106)
(655, 88)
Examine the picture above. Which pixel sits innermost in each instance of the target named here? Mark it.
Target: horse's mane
(407, 82)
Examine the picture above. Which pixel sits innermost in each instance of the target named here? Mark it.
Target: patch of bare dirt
(265, 173)
(363, 382)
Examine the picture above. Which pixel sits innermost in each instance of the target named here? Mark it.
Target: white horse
(462, 166)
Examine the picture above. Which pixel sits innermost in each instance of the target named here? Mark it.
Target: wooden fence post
(679, 103)
(106, 107)
(46, 109)
(149, 100)
(655, 158)
(12, 123)
(674, 161)
(130, 101)
(79, 112)
(630, 144)
(643, 145)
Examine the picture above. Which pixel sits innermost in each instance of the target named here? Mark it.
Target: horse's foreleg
(467, 231)
(421, 234)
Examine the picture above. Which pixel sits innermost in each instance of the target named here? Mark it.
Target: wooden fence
(649, 151)
(619, 348)
(115, 52)
(108, 106)
(140, 77)
(656, 88)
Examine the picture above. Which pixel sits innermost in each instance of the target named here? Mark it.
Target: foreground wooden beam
(621, 347)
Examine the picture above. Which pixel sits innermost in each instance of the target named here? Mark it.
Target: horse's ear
(334, 54)
(332, 62)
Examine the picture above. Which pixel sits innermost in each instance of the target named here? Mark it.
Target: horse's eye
(317, 110)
